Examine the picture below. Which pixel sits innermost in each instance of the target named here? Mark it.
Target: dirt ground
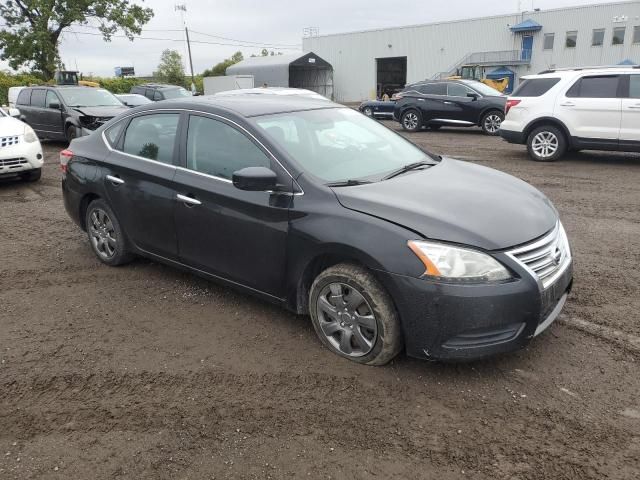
(145, 372)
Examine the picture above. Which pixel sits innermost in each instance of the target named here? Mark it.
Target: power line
(249, 41)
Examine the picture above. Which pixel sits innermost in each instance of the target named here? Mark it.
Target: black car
(133, 99)
(318, 208)
(66, 112)
(452, 103)
(158, 91)
(378, 108)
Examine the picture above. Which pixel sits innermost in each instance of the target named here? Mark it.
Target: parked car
(20, 150)
(453, 103)
(133, 99)
(575, 109)
(67, 112)
(313, 206)
(378, 108)
(159, 91)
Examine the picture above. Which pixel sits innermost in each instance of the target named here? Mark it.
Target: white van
(13, 95)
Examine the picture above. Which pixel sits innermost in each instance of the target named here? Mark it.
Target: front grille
(13, 162)
(546, 258)
(8, 141)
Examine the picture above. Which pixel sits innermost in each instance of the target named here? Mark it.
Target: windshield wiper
(348, 183)
(408, 168)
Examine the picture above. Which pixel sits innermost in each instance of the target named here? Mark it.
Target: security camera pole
(183, 9)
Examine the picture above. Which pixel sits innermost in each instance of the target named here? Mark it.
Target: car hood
(457, 202)
(108, 112)
(10, 127)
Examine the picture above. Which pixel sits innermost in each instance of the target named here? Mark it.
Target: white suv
(20, 150)
(577, 109)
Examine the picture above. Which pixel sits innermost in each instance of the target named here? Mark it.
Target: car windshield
(340, 144)
(176, 93)
(89, 97)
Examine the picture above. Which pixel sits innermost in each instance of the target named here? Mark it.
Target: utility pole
(182, 8)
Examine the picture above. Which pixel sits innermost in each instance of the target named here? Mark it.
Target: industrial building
(368, 63)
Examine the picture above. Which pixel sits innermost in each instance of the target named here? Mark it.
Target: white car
(20, 149)
(272, 91)
(575, 109)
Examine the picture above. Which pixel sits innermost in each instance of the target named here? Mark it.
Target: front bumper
(466, 322)
(20, 157)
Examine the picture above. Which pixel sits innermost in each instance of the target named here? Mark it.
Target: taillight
(510, 103)
(65, 156)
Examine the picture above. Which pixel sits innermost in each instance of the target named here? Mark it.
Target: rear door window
(157, 96)
(24, 98)
(634, 86)
(433, 89)
(38, 98)
(600, 86)
(152, 137)
(535, 87)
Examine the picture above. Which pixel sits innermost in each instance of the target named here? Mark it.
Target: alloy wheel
(368, 112)
(492, 123)
(102, 234)
(545, 144)
(346, 320)
(410, 121)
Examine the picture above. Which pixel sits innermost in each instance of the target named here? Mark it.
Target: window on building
(548, 40)
(572, 39)
(598, 37)
(636, 34)
(618, 36)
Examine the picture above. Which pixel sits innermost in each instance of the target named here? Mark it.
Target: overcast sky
(264, 22)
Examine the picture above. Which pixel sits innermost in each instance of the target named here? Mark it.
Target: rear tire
(32, 175)
(368, 111)
(411, 121)
(491, 122)
(354, 316)
(546, 144)
(106, 236)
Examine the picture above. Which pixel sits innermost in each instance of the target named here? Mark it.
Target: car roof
(159, 86)
(572, 72)
(249, 105)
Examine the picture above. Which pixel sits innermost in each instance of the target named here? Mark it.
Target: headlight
(29, 135)
(458, 264)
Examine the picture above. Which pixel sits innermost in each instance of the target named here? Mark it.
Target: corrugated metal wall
(435, 48)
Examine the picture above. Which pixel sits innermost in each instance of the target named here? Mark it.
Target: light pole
(182, 8)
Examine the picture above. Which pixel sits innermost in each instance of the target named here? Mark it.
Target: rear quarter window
(24, 98)
(535, 87)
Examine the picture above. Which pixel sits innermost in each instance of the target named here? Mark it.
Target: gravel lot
(145, 372)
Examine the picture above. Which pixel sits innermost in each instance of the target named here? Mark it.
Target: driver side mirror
(255, 179)
(54, 106)
(473, 96)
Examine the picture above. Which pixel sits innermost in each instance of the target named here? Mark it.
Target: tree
(170, 69)
(220, 69)
(32, 30)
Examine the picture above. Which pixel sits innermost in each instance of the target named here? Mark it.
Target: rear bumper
(468, 322)
(512, 136)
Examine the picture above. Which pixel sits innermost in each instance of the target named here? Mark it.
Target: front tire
(354, 316)
(546, 144)
(71, 133)
(105, 234)
(491, 122)
(411, 121)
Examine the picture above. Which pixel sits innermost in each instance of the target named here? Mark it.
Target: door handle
(637, 105)
(448, 103)
(188, 200)
(568, 104)
(115, 180)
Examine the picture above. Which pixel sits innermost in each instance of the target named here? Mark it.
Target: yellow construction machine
(476, 72)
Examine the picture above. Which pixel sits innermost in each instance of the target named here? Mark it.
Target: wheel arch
(84, 204)
(539, 122)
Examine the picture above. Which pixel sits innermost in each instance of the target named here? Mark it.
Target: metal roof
(527, 26)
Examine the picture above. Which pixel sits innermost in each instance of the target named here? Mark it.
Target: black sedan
(320, 209)
(378, 108)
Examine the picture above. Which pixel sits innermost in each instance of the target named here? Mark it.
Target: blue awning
(500, 72)
(627, 62)
(526, 26)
